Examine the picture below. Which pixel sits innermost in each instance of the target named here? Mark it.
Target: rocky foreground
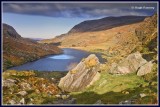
(128, 77)
(86, 80)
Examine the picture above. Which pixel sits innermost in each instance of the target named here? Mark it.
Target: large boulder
(82, 76)
(145, 69)
(133, 63)
(128, 65)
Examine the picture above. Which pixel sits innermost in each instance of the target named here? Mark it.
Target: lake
(63, 62)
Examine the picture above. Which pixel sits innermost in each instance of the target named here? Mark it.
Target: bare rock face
(133, 63)
(145, 69)
(82, 76)
(128, 65)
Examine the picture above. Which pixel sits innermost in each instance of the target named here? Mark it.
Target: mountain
(105, 23)
(36, 39)
(18, 50)
(92, 27)
(10, 31)
(130, 74)
(128, 77)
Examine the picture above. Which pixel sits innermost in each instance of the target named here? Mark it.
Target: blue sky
(47, 20)
(32, 26)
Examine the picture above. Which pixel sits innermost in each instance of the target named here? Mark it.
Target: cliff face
(18, 50)
(105, 23)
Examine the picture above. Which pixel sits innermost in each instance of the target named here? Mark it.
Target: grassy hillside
(112, 89)
(115, 89)
(18, 50)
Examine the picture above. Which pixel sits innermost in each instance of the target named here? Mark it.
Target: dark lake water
(63, 62)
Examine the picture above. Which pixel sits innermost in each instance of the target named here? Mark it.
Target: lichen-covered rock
(128, 65)
(9, 82)
(82, 75)
(22, 93)
(145, 69)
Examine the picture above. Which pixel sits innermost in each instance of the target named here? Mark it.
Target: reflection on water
(64, 62)
(62, 57)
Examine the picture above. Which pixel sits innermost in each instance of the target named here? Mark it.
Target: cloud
(70, 10)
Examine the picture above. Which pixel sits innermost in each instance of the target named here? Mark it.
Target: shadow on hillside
(116, 97)
(56, 44)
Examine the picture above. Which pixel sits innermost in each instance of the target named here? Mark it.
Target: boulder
(82, 76)
(98, 102)
(128, 102)
(25, 86)
(12, 102)
(142, 95)
(22, 101)
(9, 82)
(128, 65)
(22, 93)
(145, 69)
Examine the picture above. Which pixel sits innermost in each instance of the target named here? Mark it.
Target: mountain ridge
(105, 23)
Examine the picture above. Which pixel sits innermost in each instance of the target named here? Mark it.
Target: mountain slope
(129, 88)
(10, 31)
(105, 23)
(18, 50)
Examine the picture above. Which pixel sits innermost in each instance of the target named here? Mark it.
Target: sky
(50, 19)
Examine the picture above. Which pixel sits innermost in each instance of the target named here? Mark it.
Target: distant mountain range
(36, 39)
(95, 26)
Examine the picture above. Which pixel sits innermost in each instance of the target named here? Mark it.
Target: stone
(22, 101)
(22, 93)
(12, 102)
(64, 96)
(9, 82)
(53, 79)
(72, 101)
(145, 69)
(127, 102)
(142, 95)
(126, 92)
(98, 102)
(128, 65)
(82, 76)
(58, 96)
(25, 86)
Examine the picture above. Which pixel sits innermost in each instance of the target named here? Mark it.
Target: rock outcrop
(133, 63)
(82, 76)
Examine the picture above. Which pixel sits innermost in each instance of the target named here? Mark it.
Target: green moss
(111, 89)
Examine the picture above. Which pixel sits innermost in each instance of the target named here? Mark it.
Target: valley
(127, 76)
